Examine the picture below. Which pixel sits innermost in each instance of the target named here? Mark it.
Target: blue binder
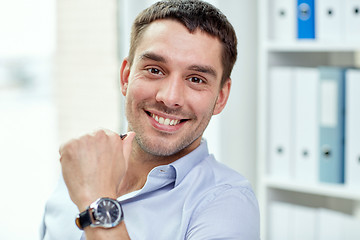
(332, 124)
(306, 19)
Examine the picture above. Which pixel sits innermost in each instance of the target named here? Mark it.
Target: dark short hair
(193, 14)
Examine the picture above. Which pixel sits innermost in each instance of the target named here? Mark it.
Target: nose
(171, 92)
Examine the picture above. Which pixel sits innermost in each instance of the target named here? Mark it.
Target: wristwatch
(104, 212)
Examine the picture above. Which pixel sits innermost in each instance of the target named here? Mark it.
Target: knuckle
(100, 133)
(69, 147)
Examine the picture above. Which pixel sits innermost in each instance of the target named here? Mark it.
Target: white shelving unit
(308, 53)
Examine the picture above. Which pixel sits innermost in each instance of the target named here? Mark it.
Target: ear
(222, 97)
(124, 76)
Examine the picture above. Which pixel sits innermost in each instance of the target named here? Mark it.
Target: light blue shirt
(194, 198)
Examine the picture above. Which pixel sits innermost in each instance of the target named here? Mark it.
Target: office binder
(352, 20)
(337, 225)
(352, 136)
(306, 124)
(329, 21)
(305, 19)
(283, 20)
(280, 122)
(351, 228)
(304, 221)
(330, 225)
(332, 114)
(279, 224)
(290, 221)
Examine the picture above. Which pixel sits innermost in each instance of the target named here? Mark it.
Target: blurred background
(59, 79)
(59, 74)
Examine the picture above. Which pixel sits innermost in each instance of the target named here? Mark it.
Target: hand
(94, 165)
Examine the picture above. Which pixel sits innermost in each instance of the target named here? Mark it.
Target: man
(177, 75)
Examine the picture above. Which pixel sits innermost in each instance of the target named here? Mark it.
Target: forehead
(173, 40)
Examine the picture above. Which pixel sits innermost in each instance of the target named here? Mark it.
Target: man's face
(173, 87)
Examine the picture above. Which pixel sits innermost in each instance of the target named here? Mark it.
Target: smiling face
(172, 88)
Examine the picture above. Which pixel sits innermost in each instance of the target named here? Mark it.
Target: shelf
(323, 189)
(311, 46)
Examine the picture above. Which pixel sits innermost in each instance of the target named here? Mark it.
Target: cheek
(139, 89)
(203, 104)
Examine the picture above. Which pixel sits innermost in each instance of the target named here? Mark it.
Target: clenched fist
(94, 165)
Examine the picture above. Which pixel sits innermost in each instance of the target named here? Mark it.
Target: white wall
(238, 121)
(28, 130)
(87, 67)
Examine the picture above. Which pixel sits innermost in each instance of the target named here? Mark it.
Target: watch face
(108, 213)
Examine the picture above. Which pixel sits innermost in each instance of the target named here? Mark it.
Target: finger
(62, 147)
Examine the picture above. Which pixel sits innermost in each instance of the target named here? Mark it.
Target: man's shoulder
(210, 179)
(217, 173)
(220, 192)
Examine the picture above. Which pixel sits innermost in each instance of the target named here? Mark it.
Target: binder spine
(332, 135)
(305, 19)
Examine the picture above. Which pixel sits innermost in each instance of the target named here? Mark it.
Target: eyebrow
(204, 69)
(152, 56)
(198, 68)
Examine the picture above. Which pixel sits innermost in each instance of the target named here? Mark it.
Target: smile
(165, 121)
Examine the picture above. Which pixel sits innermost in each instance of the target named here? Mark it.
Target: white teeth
(165, 121)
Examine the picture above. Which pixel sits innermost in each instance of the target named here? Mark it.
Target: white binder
(279, 223)
(351, 228)
(334, 225)
(282, 20)
(290, 221)
(329, 20)
(280, 122)
(330, 225)
(306, 124)
(304, 221)
(352, 131)
(352, 20)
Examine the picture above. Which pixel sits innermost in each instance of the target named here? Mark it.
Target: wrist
(104, 213)
(119, 232)
(85, 202)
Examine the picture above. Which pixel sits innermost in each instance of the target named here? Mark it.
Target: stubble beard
(163, 148)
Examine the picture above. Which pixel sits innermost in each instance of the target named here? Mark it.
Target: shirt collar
(163, 175)
(184, 165)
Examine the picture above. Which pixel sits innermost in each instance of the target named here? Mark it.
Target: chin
(162, 148)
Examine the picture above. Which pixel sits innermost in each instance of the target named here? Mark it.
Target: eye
(195, 80)
(155, 71)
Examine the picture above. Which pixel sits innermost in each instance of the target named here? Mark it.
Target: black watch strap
(84, 219)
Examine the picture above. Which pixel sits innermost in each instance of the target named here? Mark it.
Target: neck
(139, 166)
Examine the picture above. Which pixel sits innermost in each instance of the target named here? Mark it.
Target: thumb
(127, 145)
